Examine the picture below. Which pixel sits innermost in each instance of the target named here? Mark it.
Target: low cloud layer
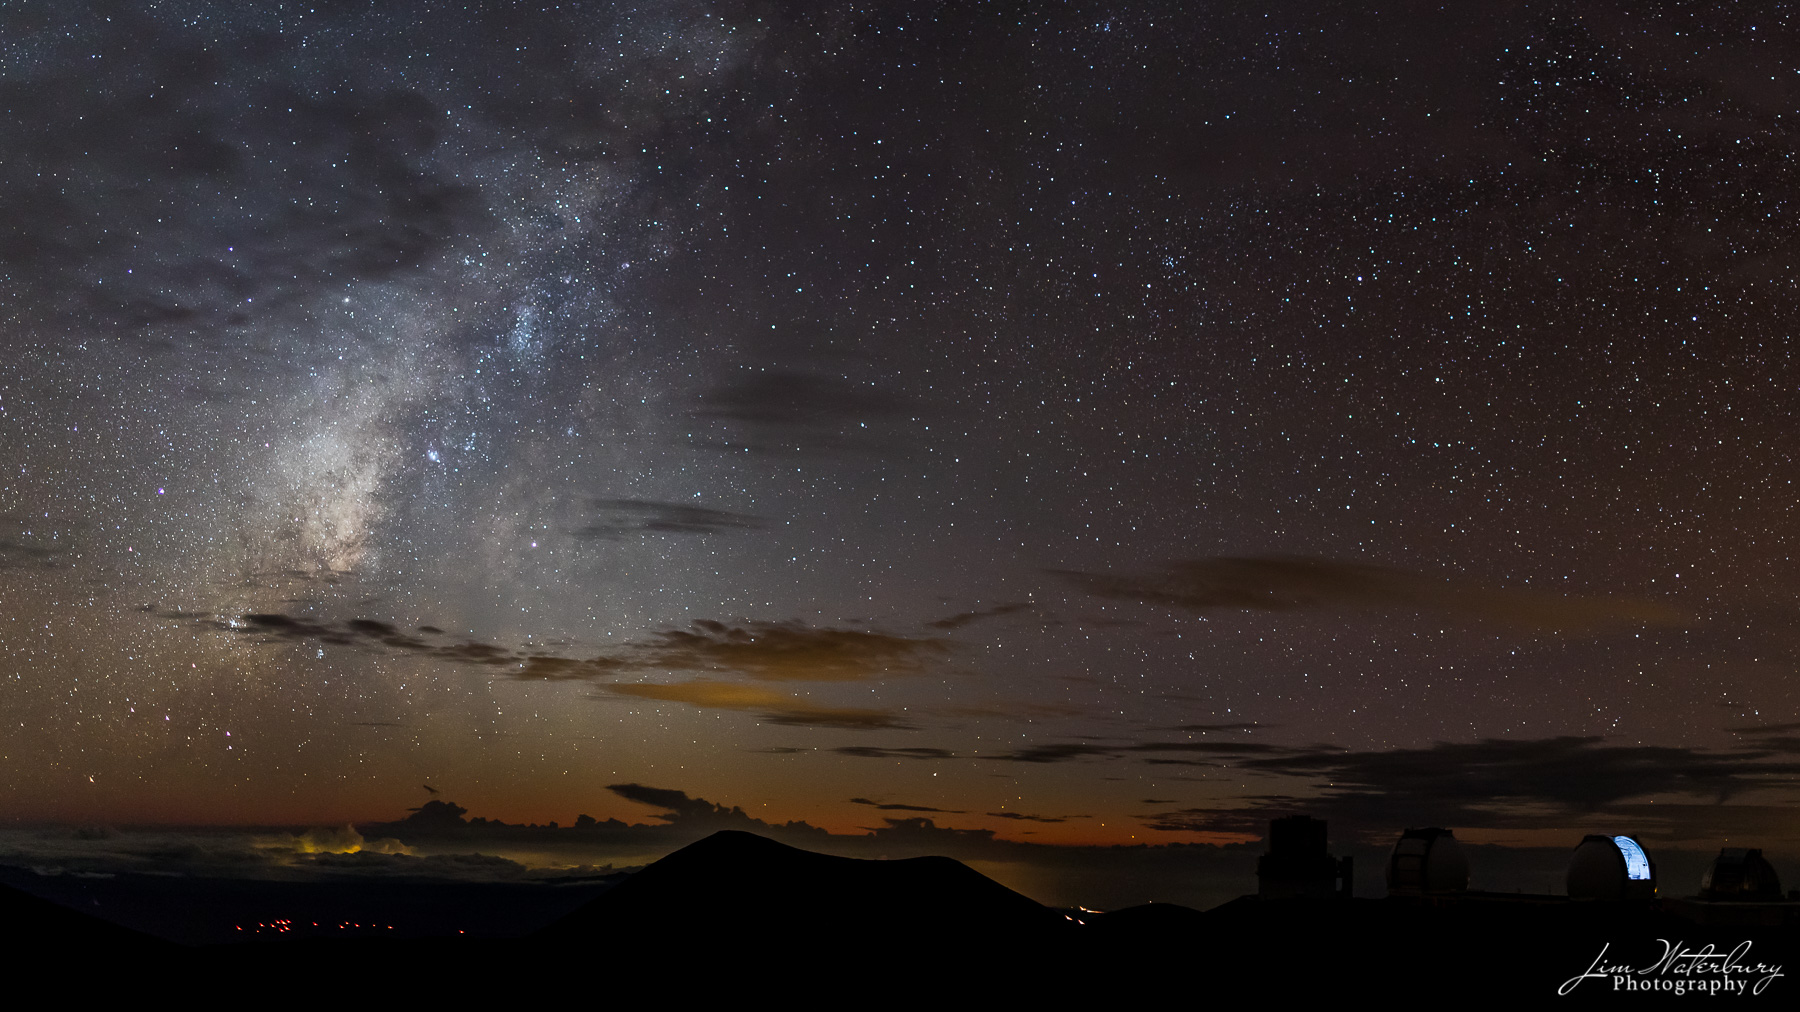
(328, 840)
(1273, 583)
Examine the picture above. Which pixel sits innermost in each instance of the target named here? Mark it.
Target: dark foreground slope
(739, 907)
(52, 954)
(736, 915)
(34, 930)
(198, 910)
(1485, 949)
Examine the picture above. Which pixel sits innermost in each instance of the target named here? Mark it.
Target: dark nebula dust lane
(1085, 424)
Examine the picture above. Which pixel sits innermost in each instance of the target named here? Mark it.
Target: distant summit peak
(734, 885)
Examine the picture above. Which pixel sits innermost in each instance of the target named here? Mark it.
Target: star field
(901, 407)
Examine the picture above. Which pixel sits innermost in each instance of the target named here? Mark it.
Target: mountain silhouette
(1160, 920)
(738, 898)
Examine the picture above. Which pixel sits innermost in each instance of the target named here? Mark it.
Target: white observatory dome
(1611, 868)
(1739, 874)
(1427, 861)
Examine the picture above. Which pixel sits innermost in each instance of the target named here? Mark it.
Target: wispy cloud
(784, 652)
(889, 806)
(1272, 583)
(1022, 817)
(961, 619)
(423, 641)
(796, 399)
(1155, 751)
(762, 651)
(875, 752)
(769, 705)
(17, 554)
(1577, 773)
(787, 651)
(614, 519)
(795, 412)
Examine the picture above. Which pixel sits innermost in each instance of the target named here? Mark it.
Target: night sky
(1093, 423)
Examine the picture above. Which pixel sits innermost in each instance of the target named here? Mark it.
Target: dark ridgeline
(735, 915)
(50, 954)
(740, 901)
(34, 930)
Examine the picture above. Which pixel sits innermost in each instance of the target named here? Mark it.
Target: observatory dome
(1427, 861)
(1611, 868)
(1738, 874)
